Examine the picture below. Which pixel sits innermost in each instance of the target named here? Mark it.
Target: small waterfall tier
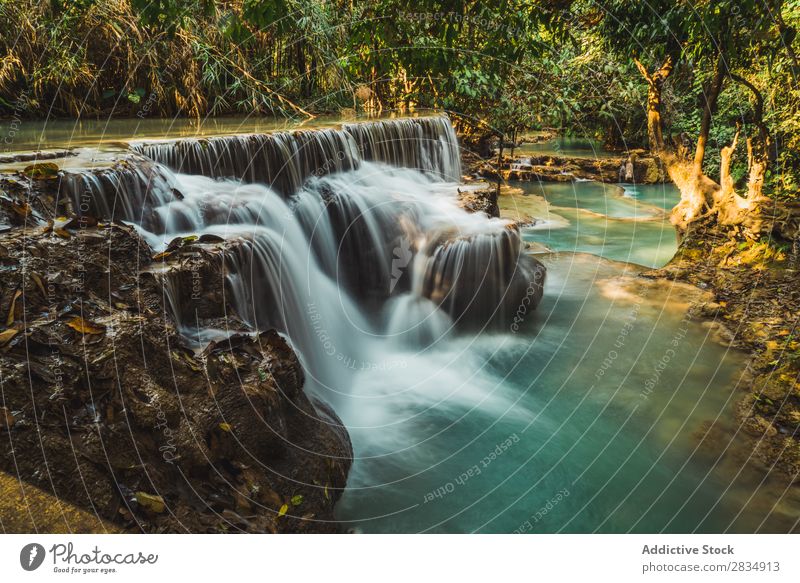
(285, 160)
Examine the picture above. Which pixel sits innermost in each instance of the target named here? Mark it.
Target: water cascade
(284, 160)
(407, 313)
(352, 262)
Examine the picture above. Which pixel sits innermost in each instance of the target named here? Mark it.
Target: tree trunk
(759, 146)
(500, 162)
(711, 97)
(725, 155)
(655, 82)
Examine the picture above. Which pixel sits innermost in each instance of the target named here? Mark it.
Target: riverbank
(755, 307)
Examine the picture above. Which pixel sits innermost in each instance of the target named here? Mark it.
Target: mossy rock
(41, 170)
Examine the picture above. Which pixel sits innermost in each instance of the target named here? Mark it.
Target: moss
(41, 171)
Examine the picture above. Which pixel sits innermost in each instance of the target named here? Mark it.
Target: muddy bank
(754, 304)
(106, 406)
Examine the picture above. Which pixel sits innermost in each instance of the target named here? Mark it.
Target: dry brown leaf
(84, 326)
(38, 280)
(6, 419)
(162, 255)
(7, 336)
(23, 209)
(11, 316)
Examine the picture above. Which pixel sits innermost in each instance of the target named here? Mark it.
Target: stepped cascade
(349, 240)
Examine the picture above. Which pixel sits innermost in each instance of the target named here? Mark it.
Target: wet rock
(115, 406)
(481, 200)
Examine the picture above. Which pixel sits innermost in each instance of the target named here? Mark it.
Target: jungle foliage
(718, 68)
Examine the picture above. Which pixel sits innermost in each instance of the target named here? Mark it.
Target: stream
(588, 416)
(590, 422)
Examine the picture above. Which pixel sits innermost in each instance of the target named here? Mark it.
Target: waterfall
(352, 261)
(128, 191)
(482, 280)
(425, 144)
(285, 160)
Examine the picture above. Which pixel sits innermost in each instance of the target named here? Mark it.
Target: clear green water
(590, 421)
(664, 196)
(17, 135)
(600, 219)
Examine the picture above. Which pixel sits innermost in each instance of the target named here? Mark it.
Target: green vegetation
(689, 78)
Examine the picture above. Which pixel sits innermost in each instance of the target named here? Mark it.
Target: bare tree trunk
(758, 146)
(711, 97)
(725, 155)
(500, 162)
(655, 82)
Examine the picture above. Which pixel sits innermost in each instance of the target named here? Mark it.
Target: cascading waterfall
(366, 263)
(426, 144)
(392, 236)
(126, 192)
(285, 160)
(379, 230)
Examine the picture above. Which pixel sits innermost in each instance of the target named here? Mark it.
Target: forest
(434, 169)
(695, 75)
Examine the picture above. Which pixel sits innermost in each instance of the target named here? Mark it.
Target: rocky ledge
(106, 406)
(638, 168)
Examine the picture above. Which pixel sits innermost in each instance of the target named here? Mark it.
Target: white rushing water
(356, 266)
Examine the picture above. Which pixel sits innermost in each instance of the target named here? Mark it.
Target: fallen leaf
(7, 335)
(11, 317)
(283, 510)
(6, 419)
(84, 326)
(23, 209)
(41, 170)
(297, 500)
(162, 255)
(225, 427)
(38, 281)
(151, 502)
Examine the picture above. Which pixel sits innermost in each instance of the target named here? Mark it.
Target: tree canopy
(689, 74)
